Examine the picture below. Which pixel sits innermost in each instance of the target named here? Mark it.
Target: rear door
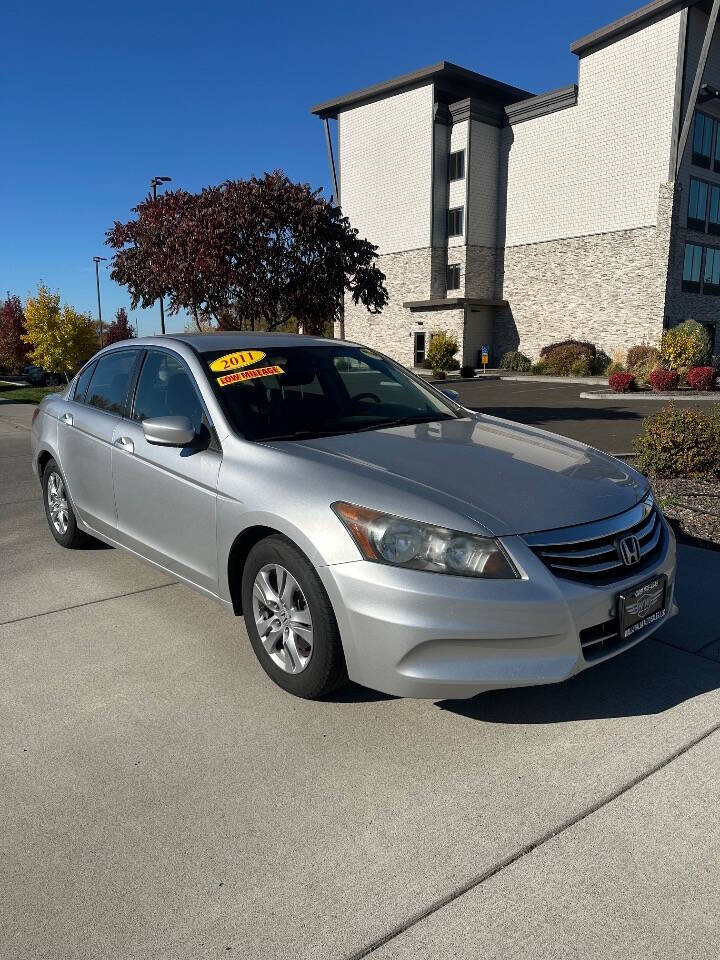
(166, 496)
(85, 436)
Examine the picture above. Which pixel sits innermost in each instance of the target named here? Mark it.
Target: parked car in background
(38, 377)
(363, 523)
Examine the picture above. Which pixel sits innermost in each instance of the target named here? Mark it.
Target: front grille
(589, 552)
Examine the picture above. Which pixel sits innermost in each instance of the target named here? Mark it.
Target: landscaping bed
(693, 505)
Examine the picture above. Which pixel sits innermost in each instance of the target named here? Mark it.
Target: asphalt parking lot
(162, 799)
(608, 424)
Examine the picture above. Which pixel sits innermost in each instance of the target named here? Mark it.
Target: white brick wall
(458, 188)
(597, 167)
(385, 152)
(484, 168)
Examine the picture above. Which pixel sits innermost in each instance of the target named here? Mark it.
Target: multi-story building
(515, 219)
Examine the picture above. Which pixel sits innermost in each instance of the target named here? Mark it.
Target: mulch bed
(693, 506)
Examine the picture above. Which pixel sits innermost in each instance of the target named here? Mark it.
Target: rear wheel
(290, 621)
(58, 508)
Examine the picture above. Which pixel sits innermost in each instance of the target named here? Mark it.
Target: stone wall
(608, 288)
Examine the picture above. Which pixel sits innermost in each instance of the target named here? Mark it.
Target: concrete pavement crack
(89, 603)
(529, 848)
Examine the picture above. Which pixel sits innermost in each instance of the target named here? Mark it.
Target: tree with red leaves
(250, 254)
(119, 329)
(13, 349)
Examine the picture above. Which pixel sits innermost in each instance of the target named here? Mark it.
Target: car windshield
(293, 393)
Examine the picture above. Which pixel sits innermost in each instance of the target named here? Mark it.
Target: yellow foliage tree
(61, 338)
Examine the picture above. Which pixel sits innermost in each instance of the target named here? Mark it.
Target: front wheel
(58, 508)
(290, 621)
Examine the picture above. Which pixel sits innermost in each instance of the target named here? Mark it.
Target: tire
(55, 494)
(308, 663)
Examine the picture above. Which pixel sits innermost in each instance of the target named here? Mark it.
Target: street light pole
(154, 183)
(97, 284)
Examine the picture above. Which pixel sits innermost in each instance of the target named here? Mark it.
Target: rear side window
(109, 382)
(82, 383)
(165, 390)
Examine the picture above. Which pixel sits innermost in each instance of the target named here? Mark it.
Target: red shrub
(702, 378)
(662, 380)
(622, 382)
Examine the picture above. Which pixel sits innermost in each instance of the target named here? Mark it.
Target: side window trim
(90, 364)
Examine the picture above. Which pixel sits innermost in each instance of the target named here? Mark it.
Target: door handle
(67, 418)
(125, 443)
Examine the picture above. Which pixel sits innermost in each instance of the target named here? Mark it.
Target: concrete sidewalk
(162, 799)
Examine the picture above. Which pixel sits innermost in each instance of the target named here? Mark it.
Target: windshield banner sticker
(233, 361)
(241, 375)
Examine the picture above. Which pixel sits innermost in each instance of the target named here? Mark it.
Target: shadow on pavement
(649, 679)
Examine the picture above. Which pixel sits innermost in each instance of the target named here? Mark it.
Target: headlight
(420, 546)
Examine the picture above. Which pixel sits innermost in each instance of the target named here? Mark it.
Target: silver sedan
(363, 522)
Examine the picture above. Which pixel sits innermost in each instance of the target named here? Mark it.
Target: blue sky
(97, 98)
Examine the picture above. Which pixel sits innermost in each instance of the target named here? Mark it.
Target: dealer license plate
(642, 606)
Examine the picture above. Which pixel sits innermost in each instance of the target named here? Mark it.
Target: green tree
(61, 339)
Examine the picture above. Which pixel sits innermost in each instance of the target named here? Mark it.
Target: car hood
(509, 477)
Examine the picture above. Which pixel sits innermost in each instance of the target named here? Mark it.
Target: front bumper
(417, 634)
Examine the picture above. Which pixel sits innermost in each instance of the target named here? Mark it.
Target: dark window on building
(697, 204)
(419, 348)
(711, 277)
(455, 222)
(457, 165)
(110, 381)
(714, 210)
(453, 276)
(702, 140)
(82, 383)
(692, 267)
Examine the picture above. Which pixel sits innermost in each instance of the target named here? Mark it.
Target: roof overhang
(637, 20)
(452, 83)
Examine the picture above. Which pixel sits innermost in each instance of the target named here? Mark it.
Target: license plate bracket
(642, 606)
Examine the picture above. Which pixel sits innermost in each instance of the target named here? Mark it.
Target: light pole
(97, 284)
(155, 183)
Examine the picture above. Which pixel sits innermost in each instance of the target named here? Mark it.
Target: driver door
(166, 496)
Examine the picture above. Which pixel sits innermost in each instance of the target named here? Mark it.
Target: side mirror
(451, 395)
(169, 431)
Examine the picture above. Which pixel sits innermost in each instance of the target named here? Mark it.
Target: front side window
(702, 140)
(457, 165)
(453, 276)
(455, 222)
(165, 390)
(299, 392)
(691, 267)
(711, 277)
(110, 380)
(697, 204)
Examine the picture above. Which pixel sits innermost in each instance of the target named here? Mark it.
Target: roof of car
(232, 340)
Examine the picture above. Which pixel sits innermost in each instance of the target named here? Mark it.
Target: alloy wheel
(57, 503)
(282, 617)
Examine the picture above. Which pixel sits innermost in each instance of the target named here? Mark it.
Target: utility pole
(154, 183)
(97, 284)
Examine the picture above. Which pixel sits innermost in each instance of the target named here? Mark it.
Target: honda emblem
(628, 549)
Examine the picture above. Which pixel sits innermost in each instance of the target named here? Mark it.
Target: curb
(531, 378)
(608, 395)
(480, 377)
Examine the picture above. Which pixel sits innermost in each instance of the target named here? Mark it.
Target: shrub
(622, 382)
(440, 374)
(615, 367)
(661, 380)
(560, 360)
(467, 372)
(702, 378)
(584, 346)
(442, 350)
(514, 360)
(601, 362)
(581, 367)
(538, 368)
(679, 443)
(639, 357)
(685, 346)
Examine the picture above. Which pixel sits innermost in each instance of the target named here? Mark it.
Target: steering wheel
(369, 396)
